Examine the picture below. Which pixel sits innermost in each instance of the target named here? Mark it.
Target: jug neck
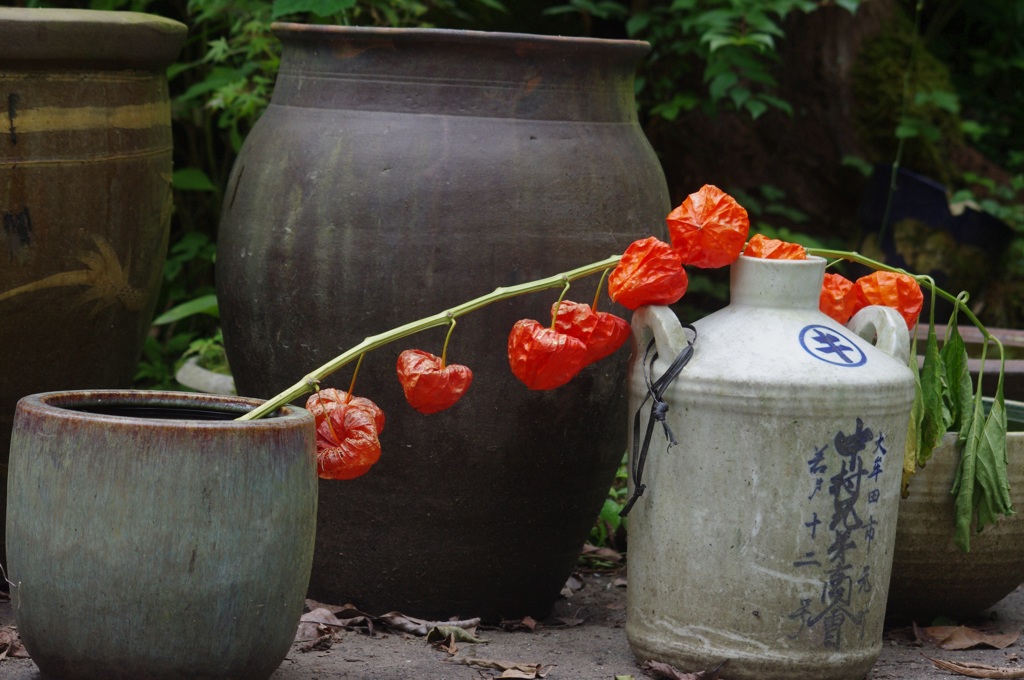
(784, 284)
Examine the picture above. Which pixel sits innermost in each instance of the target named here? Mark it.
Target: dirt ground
(583, 639)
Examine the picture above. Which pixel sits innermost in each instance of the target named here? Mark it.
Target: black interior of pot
(161, 412)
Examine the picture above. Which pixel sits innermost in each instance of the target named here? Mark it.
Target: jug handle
(669, 335)
(885, 328)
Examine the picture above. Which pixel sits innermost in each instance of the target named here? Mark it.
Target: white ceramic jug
(765, 536)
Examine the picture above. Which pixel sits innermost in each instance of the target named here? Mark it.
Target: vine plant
(709, 229)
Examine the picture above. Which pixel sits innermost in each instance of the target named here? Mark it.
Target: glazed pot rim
(452, 36)
(89, 38)
(74, 404)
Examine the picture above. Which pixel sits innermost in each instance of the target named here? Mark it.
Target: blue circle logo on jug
(831, 346)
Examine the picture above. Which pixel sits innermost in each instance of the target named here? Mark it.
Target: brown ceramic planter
(85, 196)
(151, 535)
(930, 575)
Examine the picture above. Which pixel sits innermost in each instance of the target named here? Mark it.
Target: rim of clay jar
(412, 36)
(88, 39)
(77, 404)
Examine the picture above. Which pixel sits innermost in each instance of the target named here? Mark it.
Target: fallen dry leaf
(445, 644)
(571, 586)
(607, 554)
(509, 668)
(976, 670)
(319, 644)
(10, 644)
(460, 634)
(571, 621)
(525, 623)
(420, 627)
(668, 672)
(962, 637)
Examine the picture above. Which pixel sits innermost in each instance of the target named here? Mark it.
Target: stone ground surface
(595, 648)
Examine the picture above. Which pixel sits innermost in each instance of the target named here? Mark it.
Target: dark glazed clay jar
(395, 174)
(85, 196)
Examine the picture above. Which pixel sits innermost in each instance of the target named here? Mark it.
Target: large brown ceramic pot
(395, 174)
(85, 196)
(930, 575)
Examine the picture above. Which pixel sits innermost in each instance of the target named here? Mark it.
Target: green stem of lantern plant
(981, 442)
(443, 318)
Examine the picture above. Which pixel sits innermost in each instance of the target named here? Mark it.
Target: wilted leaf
(963, 485)
(525, 670)
(10, 644)
(912, 448)
(455, 632)
(571, 586)
(606, 554)
(977, 670)
(994, 492)
(962, 637)
(414, 626)
(312, 624)
(525, 623)
(935, 416)
(445, 644)
(958, 379)
(321, 643)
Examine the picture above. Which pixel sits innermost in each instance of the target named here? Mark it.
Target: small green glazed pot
(151, 535)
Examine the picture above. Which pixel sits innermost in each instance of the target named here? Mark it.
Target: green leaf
(755, 107)
(192, 179)
(721, 84)
(959, 387)
(321, 8)
(861, 165)
(993, 492)
(219, 77)
(912, 448)
(610, 513)
(761, 40)
(739, 95)
(935, 418)
(493, 4)
(966, 477)
(637, 23)
(778, 103)
(207, 304)
(947, 101)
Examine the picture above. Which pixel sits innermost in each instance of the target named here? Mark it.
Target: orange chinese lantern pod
(899, 291)
(323, 402)
(347, 431)
(709, 228)
(774, 249)
(543, 358)
(603, 333)
(429, 387)
(837, 298)
(649, 273)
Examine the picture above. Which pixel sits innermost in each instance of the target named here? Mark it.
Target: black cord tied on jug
(659, 412)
